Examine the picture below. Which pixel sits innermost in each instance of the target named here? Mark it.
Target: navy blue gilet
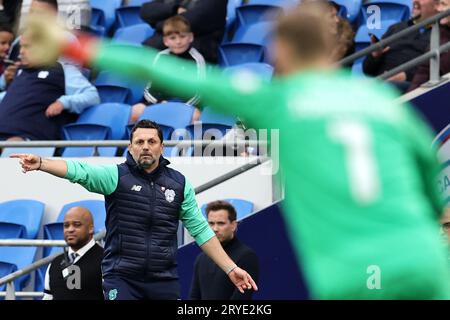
(142, 222)
(22, 110)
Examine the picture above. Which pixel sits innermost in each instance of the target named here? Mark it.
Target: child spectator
(6, 37)
(177, 36)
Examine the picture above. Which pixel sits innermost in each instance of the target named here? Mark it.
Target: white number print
(361, 166)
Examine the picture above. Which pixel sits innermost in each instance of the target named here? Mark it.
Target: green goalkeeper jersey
(361, 202)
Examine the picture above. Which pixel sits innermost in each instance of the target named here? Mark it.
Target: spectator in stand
(209, 282)
(423, 71)
(48, 7)
(207, 19)
(83, 255)
(345, 43)
(42, 98)
(405, 49)
(6, 37)
(178, 38)
(340, 28)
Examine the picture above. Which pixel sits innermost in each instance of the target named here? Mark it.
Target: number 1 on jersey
(357, 140)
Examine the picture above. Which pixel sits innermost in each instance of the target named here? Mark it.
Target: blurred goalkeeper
(361, 200)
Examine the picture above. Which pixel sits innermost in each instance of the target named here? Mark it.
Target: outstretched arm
(31, 162)
(101, 179)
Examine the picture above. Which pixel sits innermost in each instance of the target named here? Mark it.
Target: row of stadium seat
(252, 24)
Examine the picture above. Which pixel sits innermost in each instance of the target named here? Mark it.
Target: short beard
(146, 164)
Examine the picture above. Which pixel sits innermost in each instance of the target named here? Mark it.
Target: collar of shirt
(83, 250)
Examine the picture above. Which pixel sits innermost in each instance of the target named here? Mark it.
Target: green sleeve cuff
(205, 236)
(192, 217)
(70, 175)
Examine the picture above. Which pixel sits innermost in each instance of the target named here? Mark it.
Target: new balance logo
(136, 188)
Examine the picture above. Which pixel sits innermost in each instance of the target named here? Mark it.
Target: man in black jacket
(77, 274)
(405, 49)
(207, 19)
(208, 282)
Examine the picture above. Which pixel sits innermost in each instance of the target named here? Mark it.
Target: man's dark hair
(222, 205)
(6, 28)
(146, 124)
(53, 3)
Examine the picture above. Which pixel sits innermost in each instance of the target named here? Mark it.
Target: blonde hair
(176, 25)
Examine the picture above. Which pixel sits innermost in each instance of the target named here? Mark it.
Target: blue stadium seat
(137, 2)
(27, 213)
(43, 152)
(136, 87)
(110, 93)
(136, 34)
(243, 207)
(231, 10)
(250, 14)
(352, 8)
(210, 116)
(104, 12)
(397, 10)
(172, 114)
(237, 53)
(5, 269)
(257, 33)
(97, 18)
(54, 231)
(279, 3)
(263, 70)
(21, 257)
(84, 131)
(10, 230)
(96, 121)
(128, 16)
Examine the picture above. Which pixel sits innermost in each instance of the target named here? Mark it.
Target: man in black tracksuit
(404, 49)
(209, 282)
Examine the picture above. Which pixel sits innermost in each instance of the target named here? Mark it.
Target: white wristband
(230, 269)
